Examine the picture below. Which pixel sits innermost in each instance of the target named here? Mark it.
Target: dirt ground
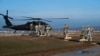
(75, 38)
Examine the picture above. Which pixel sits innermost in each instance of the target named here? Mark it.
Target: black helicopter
(26, 26)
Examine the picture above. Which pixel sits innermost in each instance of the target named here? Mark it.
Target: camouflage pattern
(42, 29)
(48, 28)
(86, 33)
(83, 33)
(37, 29)
(89, 34)
(65, 29)
(31, 26)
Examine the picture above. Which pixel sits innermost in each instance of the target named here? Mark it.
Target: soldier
(65, 29)
(89, 34)
(48, 28)
(83, 31)
(40, 27)
(31, 28)
(42, 30)
(37, 29)
(86, 33)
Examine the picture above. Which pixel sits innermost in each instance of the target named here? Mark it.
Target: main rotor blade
(27, 17)
(32, 18)
(2, 14)
(61, 18)
(47, 20)
(36, 19)
(10, 17)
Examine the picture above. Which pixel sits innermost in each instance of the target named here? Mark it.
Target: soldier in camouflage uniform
(40, 26)
(89, 34)
(65, 29)
(83, 32)
(48, 28)
(31, 26)
(37, 29)
(42, 29)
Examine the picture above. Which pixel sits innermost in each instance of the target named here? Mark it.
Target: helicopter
(26, 26)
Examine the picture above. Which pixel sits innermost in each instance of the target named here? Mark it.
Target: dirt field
(42, 46)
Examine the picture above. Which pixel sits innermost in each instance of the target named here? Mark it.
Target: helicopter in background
(26, 26)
